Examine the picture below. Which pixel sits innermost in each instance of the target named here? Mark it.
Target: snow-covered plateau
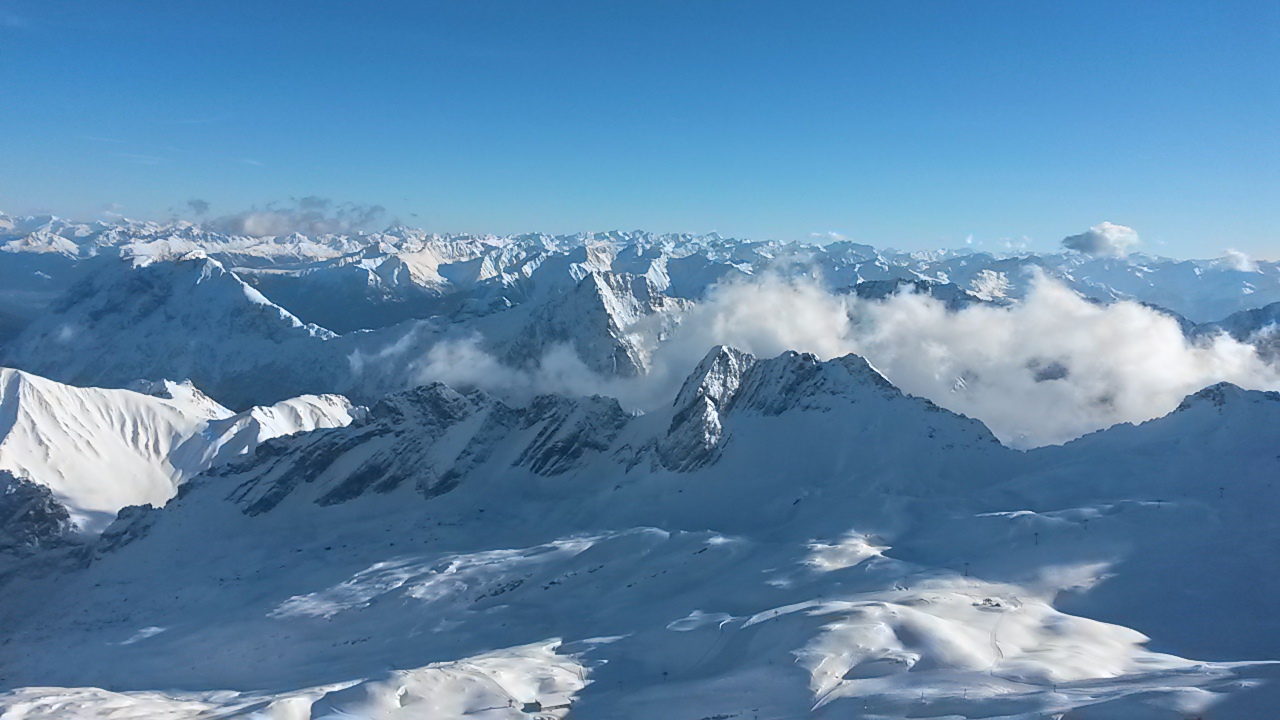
(624, 475)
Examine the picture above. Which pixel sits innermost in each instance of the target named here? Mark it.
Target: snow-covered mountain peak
(143, 255)
(729, 383)
(122, 323)
(139, 288)
(428, 406)
(729, 379)
(98, 450)
(596, 314)
(795, 379)
(1220, 395)
(697, 426)
(715, 379)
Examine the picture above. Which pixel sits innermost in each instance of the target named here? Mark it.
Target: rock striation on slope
(433, 438)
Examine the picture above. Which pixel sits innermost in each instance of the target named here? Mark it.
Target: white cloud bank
(463, 363)
(1047, 370)
(1104, 239)
(1239, 261)
(1053, 367)
(1044, 371)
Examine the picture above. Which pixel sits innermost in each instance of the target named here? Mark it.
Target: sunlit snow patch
(143, 634)
(851, 550)
(959, 644)
(518, 682)
(439, 579)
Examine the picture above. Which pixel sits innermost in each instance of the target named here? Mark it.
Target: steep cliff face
(729, 383)
(696, 429)
(612, 322)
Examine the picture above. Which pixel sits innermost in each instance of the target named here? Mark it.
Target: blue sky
(911, 124)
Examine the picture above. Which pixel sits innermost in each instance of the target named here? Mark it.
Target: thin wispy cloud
(142, 159)
(250, 162)
(9, 21)
(311, 215)
(209, 120)
(1239, 261)
(112, 211)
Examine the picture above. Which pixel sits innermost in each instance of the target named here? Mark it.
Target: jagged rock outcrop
(31, 518)
(1220, 394)
(596, 316)
(694, 436)
(728, 381)
(433, 437)
(37, 532)
(567, 430)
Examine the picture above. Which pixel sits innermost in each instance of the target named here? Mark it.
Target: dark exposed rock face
(431, 436)
(568, 430)
(731, 382)
(36, 531)
(693, 439)
(1221, 394)
(131, 523)
(435, 438)
(951, 295)
(31, 518)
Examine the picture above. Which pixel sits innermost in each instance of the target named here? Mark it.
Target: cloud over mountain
(1104, 239)
(1043, 371)
(310, 215)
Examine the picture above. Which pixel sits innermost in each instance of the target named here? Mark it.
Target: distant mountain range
(108, 303)
(400, 475)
